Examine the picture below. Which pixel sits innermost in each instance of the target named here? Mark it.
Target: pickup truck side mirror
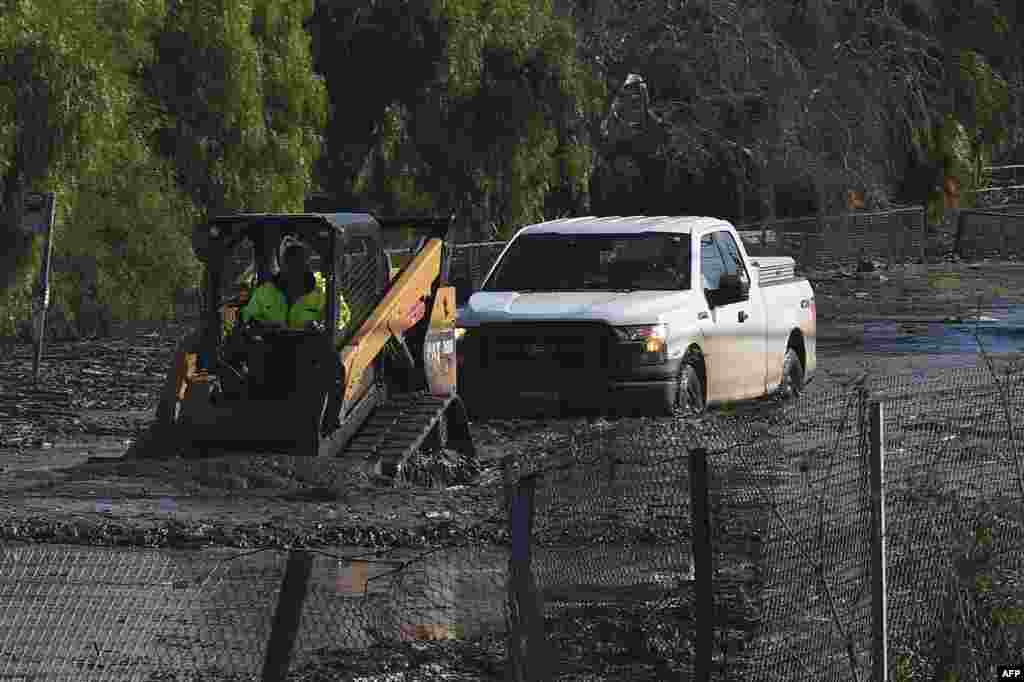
(731, 289)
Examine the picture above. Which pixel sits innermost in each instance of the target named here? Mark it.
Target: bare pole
(879, 630)
(44, 302)
(287, 616)
(701, 538)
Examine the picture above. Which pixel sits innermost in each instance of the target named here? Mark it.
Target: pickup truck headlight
(653, 337)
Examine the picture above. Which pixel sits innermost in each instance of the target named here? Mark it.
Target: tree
(145, 116)
(241, 107)
(472, 107)
(62, 86)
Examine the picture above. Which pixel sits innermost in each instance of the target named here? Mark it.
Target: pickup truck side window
(711, 264)
(731, 253)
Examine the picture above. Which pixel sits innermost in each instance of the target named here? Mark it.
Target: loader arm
(404, 304)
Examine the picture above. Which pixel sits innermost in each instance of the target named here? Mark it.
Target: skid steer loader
(397, 387)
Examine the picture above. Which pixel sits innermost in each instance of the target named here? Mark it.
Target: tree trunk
(14, 244)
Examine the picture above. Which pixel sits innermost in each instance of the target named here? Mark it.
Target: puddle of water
(58, 455)
(1000, 331)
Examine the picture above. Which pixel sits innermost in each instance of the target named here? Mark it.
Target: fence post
(471, 267)
(880, 663)
(287, 615)
(528, 657)
(806, 257)
(958, 238)
(924, 235)
(44, 285)
(701, 530)
(1005, 238)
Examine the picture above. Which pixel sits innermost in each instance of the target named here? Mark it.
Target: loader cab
(241, 252)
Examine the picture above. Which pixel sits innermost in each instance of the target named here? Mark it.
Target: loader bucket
(254, 425)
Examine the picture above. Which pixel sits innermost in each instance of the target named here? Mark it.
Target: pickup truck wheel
(690, 389)
(792, 376)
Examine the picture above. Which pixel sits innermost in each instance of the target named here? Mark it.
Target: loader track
(396, 430)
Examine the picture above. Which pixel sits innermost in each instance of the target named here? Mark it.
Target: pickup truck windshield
(604, 262)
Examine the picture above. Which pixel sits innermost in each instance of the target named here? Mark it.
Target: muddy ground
(61, 443)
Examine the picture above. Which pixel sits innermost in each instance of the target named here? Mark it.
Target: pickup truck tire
(792, 376)
(690, 398)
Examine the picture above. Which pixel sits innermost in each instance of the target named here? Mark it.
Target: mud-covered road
(61, 444)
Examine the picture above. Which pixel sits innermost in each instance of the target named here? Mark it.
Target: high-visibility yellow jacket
(268, 304)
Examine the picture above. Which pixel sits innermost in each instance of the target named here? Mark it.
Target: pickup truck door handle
(743, 316)
(702, 316)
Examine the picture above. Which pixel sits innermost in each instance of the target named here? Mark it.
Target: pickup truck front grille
(550, 347)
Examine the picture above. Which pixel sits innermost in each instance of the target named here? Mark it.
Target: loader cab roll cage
(335, 238)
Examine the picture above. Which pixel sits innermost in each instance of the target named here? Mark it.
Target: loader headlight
(652, 340)
(460, 357)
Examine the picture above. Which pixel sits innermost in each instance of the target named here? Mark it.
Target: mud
(61, 442)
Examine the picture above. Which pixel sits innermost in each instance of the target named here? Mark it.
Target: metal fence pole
(471, 259)
(890, 255)
(286, 618)
(528, 656)
(1004, 238)
(701, 525)
(959, 235)
(44, 303)
(806, 256)
(878, 555)
(924, 235)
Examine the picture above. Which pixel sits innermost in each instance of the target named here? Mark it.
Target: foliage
(983, 623)
(156, 113)
(491, 127)
(144, 116)
(242, 108)
(137, 233)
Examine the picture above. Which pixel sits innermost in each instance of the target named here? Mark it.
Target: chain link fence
(611, 561)
(92, 613)
(896, 236)
(791, 528)
(996, 232)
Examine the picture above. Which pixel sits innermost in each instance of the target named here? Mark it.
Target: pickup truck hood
(615, 308)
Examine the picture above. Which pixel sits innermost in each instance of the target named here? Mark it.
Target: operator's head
(295, 260)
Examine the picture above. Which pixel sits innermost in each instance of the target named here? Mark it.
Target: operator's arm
(344, 314)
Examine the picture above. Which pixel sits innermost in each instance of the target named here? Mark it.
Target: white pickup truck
(653, 314)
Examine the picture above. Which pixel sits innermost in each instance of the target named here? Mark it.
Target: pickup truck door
(750, 314)
(733, 329)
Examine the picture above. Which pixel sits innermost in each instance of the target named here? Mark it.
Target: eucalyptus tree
(460, 105)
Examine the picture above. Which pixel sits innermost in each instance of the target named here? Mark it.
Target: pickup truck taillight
(808, 304)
